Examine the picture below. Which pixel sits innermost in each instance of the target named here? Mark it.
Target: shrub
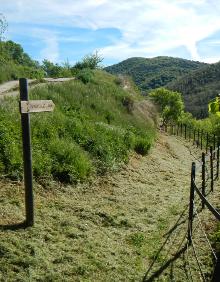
(69, 163)
(85, 75)
(142, 145)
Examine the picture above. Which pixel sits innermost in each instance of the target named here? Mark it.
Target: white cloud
(148, 27)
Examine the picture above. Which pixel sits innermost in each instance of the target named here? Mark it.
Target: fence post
(214, 146)
(194, 136)
(181, 129)
(211, 167)
(201, 139)
(203, 178)
(207, 142)
(197, 143)
(189, 133)
(217, 168)
(191, 202)
(185, 130)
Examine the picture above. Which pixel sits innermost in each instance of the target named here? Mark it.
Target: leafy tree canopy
(170, 103)
(90, 61)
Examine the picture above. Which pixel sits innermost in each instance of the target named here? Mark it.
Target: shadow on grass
(169, 262)
(16, 226)
(180, 221)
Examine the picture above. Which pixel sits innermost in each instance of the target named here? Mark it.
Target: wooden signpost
(27, 107)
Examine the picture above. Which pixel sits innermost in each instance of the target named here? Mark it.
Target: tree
(214, 106)
(170, 103)
(90, 61)
(3, 26)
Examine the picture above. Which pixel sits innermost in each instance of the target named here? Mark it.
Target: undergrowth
(90, 131)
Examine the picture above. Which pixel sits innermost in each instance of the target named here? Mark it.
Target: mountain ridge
(151, 73)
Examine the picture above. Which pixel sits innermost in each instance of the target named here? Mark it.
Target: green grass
(90, 131)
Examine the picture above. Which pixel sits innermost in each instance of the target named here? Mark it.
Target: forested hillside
(151, 73)
(198, 88)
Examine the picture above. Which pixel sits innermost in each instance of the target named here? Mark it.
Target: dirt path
(109, 229)
(10, 88)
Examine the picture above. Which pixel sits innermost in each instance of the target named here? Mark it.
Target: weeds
(91, 130)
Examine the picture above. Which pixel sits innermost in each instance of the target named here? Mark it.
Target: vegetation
(15, 63)
(90, 61)
(107, 229)
(155, 72)
(198, 88)
(170, 103)
(91, 130)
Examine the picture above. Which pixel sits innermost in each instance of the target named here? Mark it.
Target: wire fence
(195, 247)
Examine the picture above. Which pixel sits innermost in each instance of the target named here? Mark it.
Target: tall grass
(90, 131)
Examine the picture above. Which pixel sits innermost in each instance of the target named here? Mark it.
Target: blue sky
(61, 30)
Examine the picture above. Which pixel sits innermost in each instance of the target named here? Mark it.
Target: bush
(10, 149)
(85, 75)
(142, 145)
(69, 163)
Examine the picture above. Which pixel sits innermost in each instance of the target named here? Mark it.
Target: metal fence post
(211, 168)
(203, 178)
(194, 136)
(214, 146)
(197, 143)
(207, 142)
(189, 133)
(217, 168)
(201, 139)
(191, 202)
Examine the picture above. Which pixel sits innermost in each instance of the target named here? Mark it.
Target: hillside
(110, 228)
(154, 72)
(199, 88)
(94, 128)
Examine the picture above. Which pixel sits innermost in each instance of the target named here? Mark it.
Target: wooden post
(185, 130)
(211, 167)
(203, 178)
(191, 202)
(27, 157)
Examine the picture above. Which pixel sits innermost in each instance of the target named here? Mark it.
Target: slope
(106, 230)
(198, 88)
(150, 73)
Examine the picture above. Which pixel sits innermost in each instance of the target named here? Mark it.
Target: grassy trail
(106, 230)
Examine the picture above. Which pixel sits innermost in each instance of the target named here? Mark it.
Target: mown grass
(91, 131)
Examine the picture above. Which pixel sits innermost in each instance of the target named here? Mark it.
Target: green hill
(198, 88)
(151, 73)
(93, 129)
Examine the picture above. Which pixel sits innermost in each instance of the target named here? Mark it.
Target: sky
(67, 30)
